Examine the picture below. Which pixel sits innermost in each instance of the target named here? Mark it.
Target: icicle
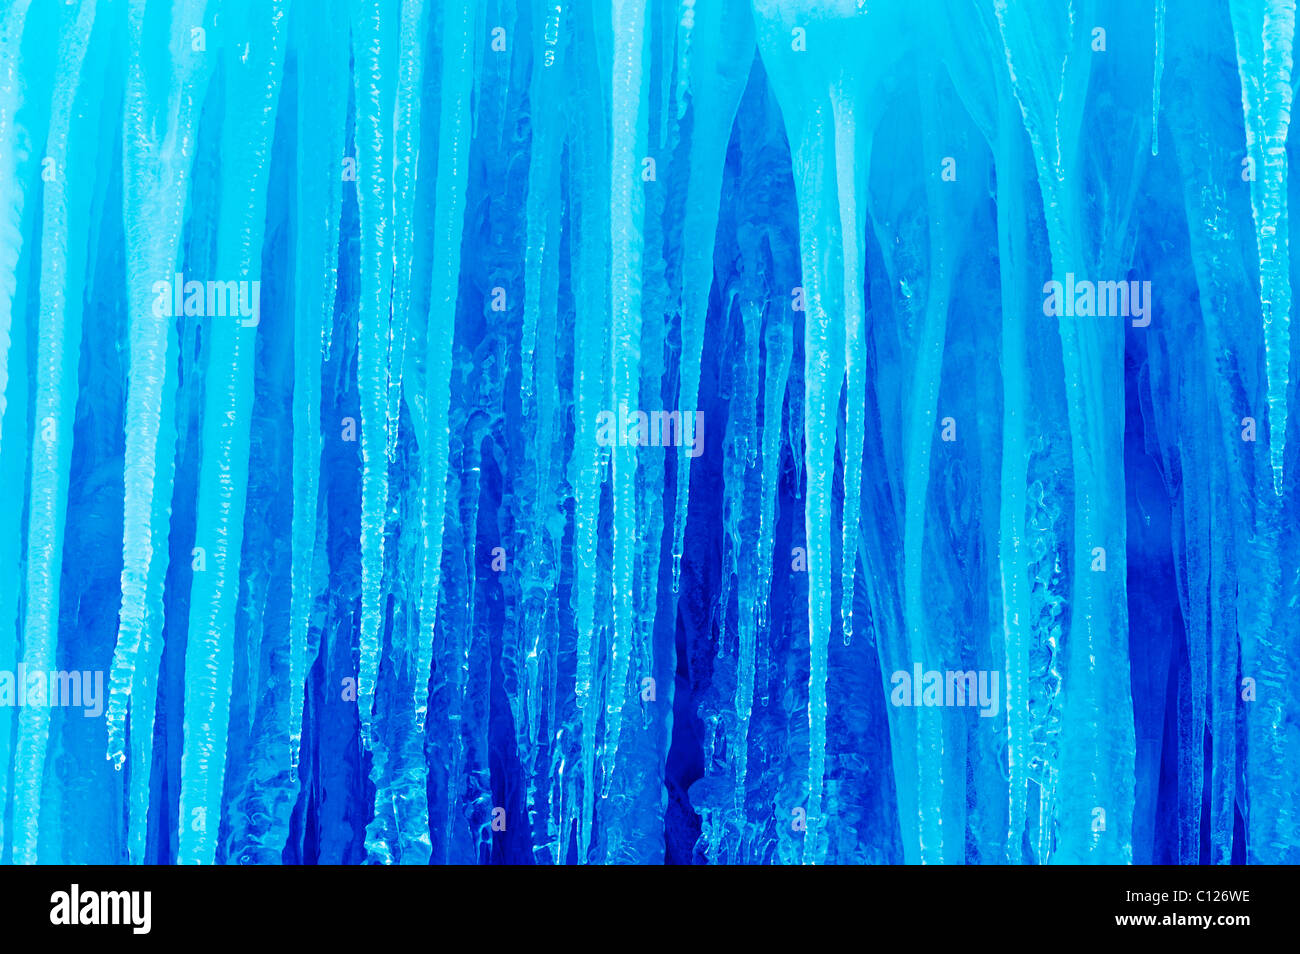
(810, 126)
(543, 189)
(1159, 72)
(13, 467)
(375, 88)
(1265, 32)
(253, 69)
(922, 414)
(13, 369)
(156, 183)
(1012, 561)
(1097, 742)
(518, 686)
(627, 206)
(721, 52)
(390, 125)
(454, 136)
(685, 29)
(1233, 600)
(591, 387)
(406, 156)
(322, 52)
(58, 353)
(972, 56)
(552, 451)
(752, 448)
(850, 169)
(780, 354)
(742, 553)
(465, 656)
(649, 741)
(11, 214)
(823, 346)
(539, 382)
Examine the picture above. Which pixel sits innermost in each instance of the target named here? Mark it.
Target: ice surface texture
(498, 431)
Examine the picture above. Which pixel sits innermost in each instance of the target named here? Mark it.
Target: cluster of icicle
(478, 224)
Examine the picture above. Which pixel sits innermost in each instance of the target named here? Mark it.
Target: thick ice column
(58, 357)
(253, 64)
(1265, 32)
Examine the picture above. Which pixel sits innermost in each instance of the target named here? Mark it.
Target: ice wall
(663, 431)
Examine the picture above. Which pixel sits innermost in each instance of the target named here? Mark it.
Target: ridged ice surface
(726, 431)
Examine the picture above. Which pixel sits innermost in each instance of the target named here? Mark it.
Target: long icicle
(253, 70)
(802, 85)
(399, 789)
(406, 154)
(922, 411)
(1158, 73)
(627, 205)
(454, 136)
(11, 213)
(1097, 759)
(591, 393)
(156, 183)
(1012, 558)
(13, 371)
(539, 384)
(721, 49)
(374, 102)
(58, 357)
(1265, 32)
(852, 160)
(322, 118)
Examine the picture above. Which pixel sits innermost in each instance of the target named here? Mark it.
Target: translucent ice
(726, 431)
